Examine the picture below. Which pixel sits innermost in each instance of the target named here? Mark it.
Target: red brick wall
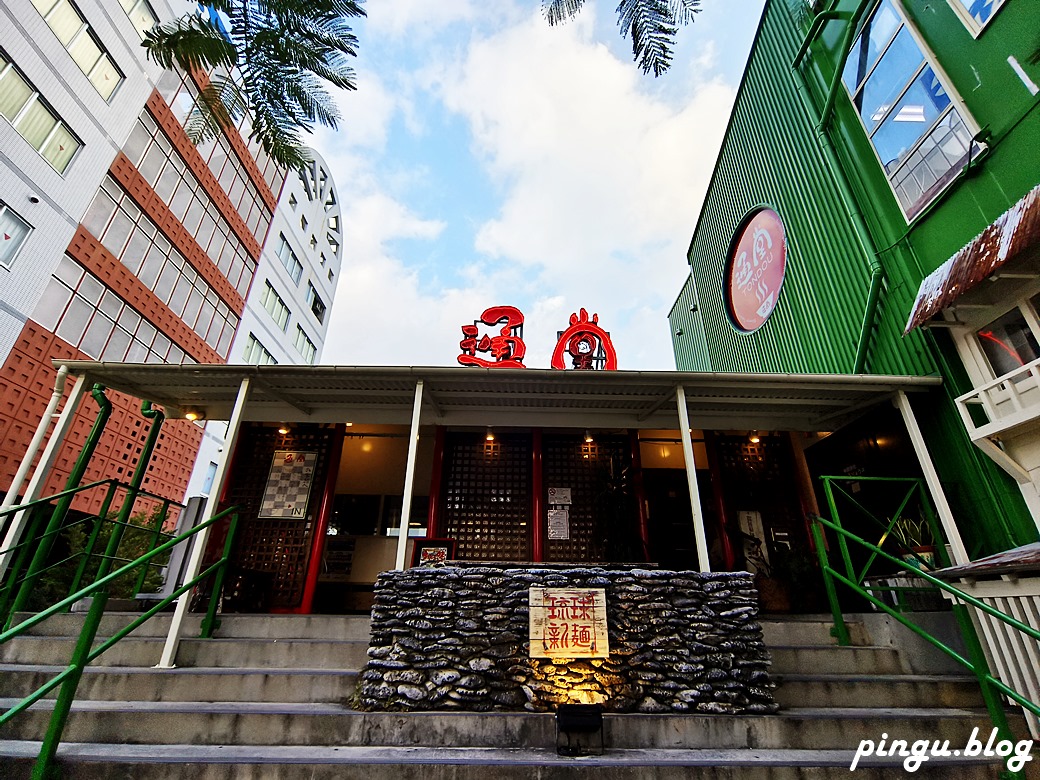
(26, 385)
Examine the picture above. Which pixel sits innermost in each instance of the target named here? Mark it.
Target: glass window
(275, 306)
(13, 232)
(1008, 343)
(921, 136)
(22, 106)
(256, 353)
(316, 303)
(75, 34)
(141, 15)
(289, 260)
(304, 346)
(976, 13)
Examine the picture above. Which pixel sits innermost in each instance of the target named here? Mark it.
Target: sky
(488, 159)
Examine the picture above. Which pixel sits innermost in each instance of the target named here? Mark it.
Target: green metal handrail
(83, 654)
(18, 573)
(991, 686)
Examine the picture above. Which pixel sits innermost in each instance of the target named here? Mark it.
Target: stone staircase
(271, 698)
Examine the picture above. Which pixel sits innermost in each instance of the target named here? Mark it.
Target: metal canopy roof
(506, 397)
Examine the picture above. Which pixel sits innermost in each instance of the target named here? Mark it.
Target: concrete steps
(270, 698)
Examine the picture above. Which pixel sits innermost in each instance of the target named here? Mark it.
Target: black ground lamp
(579, 730)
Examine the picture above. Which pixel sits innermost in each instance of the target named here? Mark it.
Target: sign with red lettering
(568, 623)
(755, 272)
(588, 345)
(506, 349)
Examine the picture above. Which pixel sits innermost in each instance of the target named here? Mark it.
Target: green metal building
(899, 144)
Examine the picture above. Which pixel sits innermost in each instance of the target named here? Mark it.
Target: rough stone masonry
(456, 637)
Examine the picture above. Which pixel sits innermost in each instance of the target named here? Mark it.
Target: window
(75, 34)
(289, 260)
(292, 201)
(316, 303)
(921, 137)
(13, 232)
(256, 354)
(22, 106)
(976, 13)
(304, 345)
(275, 306)
(141, 15)
(1008, 342)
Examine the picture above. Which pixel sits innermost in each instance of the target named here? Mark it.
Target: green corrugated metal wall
(771, 157)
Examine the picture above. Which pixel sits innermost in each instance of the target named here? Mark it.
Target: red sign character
(507, 349)
(587, 343)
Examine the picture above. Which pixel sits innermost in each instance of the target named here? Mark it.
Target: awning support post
(931, 477)
(409, 476)
(39, 477)
(691, 479)
(173, 638)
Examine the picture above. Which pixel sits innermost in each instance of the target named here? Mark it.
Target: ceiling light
(588, 437)
(490, 435)
(754, 438)
(283, 429)
(193, 415)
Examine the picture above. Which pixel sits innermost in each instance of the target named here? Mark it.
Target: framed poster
(430, 551)
(288, 485)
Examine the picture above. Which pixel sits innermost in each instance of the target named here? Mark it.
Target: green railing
(22, 577)
(992, 687)
(84, 652)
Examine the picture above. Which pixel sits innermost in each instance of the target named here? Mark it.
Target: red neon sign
(587, 343)
(755, 273)
(506, 349)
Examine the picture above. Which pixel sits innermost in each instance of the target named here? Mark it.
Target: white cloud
(600, 171)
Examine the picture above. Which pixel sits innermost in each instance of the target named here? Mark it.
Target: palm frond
(683, 11)
(650, 25)
(189, 42)
(221, 104)
(560, 11)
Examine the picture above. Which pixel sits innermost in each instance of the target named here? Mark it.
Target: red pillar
(640, 493)
(328, 499)
(433, 516)
(539, 518)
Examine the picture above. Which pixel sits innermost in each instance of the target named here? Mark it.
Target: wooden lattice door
(603, 515)
(486, 504)
(270, 557)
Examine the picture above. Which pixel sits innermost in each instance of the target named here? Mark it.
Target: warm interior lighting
(588, 437)
(754, 438)
(490, 435)
(283, 429)
(350, 424)
(193, 415)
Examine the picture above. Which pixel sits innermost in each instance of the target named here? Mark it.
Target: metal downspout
(877, 274)
(61, 509)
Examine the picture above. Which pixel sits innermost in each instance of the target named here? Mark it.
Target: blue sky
(488, 159)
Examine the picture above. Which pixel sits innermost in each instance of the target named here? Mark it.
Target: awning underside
(507, 397)
(1004, 243)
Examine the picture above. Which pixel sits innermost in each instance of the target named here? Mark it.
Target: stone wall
(457, 638)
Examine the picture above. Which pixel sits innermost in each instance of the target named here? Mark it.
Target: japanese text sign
(568, 623)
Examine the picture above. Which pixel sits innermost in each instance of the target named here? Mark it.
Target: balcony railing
(1007, 402)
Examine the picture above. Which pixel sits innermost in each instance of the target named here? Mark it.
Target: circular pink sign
(755, 271)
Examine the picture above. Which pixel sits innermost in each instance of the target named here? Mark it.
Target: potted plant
(917, 541)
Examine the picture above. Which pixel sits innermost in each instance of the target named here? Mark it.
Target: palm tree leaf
(683, 11)
(650, 25)
(559, 11)
(189, 42)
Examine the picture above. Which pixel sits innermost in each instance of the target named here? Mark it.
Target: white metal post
(39, 477)
(409, 476)
(37, 439)
(691, 479)
(173, 639)
(931, 477)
